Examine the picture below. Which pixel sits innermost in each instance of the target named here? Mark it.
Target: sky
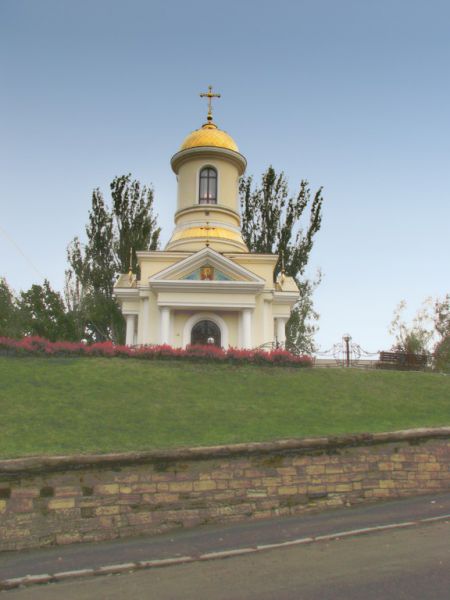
(353, 96)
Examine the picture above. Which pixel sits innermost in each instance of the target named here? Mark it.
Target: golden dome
(209, 135)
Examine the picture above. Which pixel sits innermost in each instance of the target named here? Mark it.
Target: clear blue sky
(351, 95)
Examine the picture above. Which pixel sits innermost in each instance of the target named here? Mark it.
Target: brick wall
(62, 500)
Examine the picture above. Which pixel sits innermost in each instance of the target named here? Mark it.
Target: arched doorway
(204, 331)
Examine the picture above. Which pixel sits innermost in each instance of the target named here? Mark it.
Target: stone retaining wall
(60, 500)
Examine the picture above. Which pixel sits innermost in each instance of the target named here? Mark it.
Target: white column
(267, 321)
(129, 337)
(165, 325)
(145, 319)
(281, 330)
(247, 328)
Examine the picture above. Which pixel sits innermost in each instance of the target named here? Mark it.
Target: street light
(347, 337)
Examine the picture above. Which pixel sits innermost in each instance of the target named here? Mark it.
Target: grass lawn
(67, 405)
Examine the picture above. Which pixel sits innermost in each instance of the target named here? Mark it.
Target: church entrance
(206, 332)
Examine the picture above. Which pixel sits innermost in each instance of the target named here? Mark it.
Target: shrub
(38, 346)
(105, 349)
(210, 351)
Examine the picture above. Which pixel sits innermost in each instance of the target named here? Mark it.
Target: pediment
(207, 265)
(207, 273)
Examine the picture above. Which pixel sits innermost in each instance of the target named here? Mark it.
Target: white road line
(73, 574)
(431, 519)
(296, 542)
(225, 553)
(350, 532)
(164, 562)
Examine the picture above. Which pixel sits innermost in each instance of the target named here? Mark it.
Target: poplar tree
(276, 222)
(112, 233)
(135, 224)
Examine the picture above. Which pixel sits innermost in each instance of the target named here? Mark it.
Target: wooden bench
(402, 361)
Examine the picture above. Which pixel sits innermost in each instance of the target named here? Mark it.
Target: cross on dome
(210, 95)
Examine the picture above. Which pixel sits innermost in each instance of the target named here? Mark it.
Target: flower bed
(36, 346)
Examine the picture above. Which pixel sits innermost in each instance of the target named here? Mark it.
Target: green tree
(412, 338)
(442, 316)
(111, 233)
(10, 322)
(72, 300)
(135, 224)
(428, 332)
(442, 354)
(442, 326)
(42, 312)
(272, 222)
(94, 269)
(302, 325)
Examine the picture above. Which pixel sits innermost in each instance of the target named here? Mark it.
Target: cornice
(124, 294)
(230, 244)
(285, 297)
(237, 159)
(223, 305)
(260, 258)
(223, 287)
(250, 256)
(208, 208)
(158, 254)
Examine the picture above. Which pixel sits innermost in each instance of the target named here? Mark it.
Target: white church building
(205, 286)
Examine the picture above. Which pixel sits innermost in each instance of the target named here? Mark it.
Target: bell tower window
(208, 186)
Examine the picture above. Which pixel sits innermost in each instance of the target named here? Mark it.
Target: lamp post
(347, 337)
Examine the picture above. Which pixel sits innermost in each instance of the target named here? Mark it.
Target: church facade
(205, 287)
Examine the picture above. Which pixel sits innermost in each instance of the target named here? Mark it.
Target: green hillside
(60, 406)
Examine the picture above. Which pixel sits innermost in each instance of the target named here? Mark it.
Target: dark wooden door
(204, 332)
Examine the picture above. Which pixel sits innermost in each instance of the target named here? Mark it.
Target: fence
(349, 354)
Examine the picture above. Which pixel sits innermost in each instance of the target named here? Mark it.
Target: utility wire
(19, 249)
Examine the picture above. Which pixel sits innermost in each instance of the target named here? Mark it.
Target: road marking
(113, 569)
(164, 562)
(225, 553)
(296, 542)
(28, 580)
(350, 532)
(430, 519)
(72, 574)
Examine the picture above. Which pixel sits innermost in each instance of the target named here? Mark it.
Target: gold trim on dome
(209, 135)
(199, 232)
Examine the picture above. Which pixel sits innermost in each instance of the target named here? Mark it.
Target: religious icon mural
(207, 273)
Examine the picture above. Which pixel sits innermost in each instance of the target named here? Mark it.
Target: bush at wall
(36, 346)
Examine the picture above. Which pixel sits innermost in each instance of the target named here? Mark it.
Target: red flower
(39, 346)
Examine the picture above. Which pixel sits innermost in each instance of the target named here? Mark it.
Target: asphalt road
(216, 538)
(410, 564)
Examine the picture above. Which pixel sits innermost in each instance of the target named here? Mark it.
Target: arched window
(208, 186)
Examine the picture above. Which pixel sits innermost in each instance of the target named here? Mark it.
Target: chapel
(205, 287)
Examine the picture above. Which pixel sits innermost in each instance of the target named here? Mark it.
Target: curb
(29, 580)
